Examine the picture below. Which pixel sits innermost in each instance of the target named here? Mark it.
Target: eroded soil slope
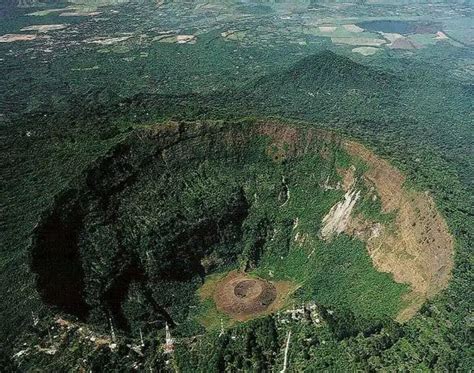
(415, 247)
(418, 249)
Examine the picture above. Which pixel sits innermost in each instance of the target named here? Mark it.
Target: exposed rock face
(337, 219)
(417, 249)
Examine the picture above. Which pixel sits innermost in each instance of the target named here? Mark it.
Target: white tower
(169, 342)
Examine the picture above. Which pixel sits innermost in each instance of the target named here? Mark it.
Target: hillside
(129, 243)
(106, 188)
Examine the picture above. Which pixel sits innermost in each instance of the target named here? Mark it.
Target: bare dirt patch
(387, 180)
(10, 38)
(291, 141)
(284, 140)
(440, 35)
(348, 177)
(404, 43)
(243, 297)
(178, 39)
(418, 250)
(353, 28)
(328, 29)
(366, 51)
(44, 28)
(107, 41)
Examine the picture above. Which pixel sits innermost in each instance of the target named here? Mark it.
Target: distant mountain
(327, 70)
(323, 85)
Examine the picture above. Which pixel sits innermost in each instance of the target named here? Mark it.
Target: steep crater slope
(131, 241)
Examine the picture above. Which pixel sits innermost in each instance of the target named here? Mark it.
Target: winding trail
(287, 348)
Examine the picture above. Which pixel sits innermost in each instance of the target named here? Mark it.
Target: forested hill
(321, 86)
(421, 107)
(420, 124)
(327, 71)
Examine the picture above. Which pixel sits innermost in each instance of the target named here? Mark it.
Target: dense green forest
(87, 164)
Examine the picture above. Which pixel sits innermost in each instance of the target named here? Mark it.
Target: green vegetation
(341, 275)
(78, 147)
(158, 214)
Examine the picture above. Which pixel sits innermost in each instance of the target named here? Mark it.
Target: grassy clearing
(209, 317)
(213, 319)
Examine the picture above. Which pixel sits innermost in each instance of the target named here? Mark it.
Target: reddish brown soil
(243, 297)
(418, 249)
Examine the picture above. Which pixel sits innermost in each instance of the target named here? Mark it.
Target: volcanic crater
(139, 231)
(241, 296)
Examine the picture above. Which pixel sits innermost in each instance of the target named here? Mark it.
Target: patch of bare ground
(107, 41)
(283, 140)
(419, 249)
(338, 218)
(243, 297)
(9, 38)
(44, 28)
(290, 141)
(348, 177)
